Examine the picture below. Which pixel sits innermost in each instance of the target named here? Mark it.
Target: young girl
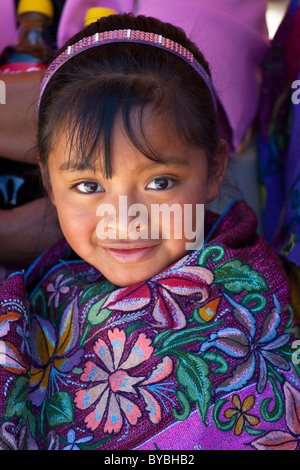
(137, 342)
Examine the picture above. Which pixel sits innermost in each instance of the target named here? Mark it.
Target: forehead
(151, 140)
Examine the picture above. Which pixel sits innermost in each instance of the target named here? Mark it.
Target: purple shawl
(199, 357)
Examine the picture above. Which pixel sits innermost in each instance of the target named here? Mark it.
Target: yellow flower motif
(240, 411)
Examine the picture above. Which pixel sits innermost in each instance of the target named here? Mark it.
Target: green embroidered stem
(177, 344)
(174, 337)
(215, 252)
(278, 409)
(185, 405)
(276, 374)
(259, 301)
(84, 335)
(216, 359)
(222, 425)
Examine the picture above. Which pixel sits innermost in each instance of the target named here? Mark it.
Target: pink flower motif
(284, 440)
(185, 281)
(110, 385)
(58, 288)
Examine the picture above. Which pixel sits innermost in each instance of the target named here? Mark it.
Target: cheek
(76, 223)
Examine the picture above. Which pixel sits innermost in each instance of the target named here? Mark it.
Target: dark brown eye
(89, 187)
(160, 183)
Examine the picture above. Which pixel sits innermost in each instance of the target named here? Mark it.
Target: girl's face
(127, 243)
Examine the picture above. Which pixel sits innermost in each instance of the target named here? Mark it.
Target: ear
(45, 178)
(219, 171)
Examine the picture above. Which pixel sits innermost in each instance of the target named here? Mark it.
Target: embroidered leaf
(11, 360)
(254, 432)
(60, 409)
(103, 287)
(236, 277)
(193, 375)
(16, 401)
(96, 314)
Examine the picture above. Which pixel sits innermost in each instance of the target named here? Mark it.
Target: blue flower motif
(235, 343)
(73, 442)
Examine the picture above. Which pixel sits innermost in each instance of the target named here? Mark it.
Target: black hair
(88, 92)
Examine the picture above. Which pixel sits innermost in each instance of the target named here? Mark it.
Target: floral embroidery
(149, 364)
(73, 443)
(110, 384)
(166, 311)
(53, 357)
(56, 288)
(256, 352)
(10, 358)
(241, 413)
(279, 439)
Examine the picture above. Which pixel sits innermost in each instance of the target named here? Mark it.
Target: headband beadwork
(127, 35)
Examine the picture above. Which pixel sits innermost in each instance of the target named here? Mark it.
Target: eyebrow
(168, 161)
(69, 166)
(81, 167)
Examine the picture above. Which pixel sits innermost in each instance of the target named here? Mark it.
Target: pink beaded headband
(127, 35)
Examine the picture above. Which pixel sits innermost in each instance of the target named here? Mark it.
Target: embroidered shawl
(201, 356)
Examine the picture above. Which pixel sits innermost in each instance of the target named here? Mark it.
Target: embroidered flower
(25, 335)
(162, 290)
(73, 443)
(57, 288)
(256, 352)
(284, 440)
(110, 385)
(53, 356)
(241, 413)
(12, 438)
(10, 358)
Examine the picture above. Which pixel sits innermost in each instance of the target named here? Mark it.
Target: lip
(130, 254)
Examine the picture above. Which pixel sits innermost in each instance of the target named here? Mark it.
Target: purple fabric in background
(219, 28)
(279, 139)
(7, 23)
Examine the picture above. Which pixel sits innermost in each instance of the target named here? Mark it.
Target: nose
(124, 219)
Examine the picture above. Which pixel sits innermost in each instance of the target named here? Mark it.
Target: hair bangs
(90, 115)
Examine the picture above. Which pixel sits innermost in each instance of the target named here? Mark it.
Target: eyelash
(76, 187)
(165, 178)
(172, 180)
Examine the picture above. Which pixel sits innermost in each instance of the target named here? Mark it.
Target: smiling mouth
(130, 255)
